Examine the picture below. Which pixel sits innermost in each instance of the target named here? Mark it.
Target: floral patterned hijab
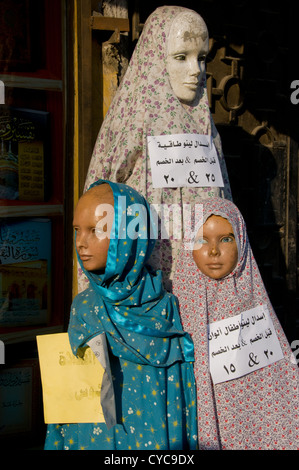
(258, 410)
(145, 105)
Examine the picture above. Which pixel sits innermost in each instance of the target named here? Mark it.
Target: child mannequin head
(92, 240)
(215, 251)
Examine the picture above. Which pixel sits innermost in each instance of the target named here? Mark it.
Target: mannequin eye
(180, 57)
(228, 239)
(200, 241)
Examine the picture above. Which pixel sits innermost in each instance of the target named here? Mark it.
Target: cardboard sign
(71, 385)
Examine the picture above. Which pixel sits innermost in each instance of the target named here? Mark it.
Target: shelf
(15, 81)
(28, 210)
(104, 23)
(30, 334)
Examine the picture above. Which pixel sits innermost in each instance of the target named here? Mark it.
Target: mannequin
(149, 397)
(151, 101)
(254, 404)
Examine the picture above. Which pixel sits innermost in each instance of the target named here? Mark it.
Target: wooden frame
(84, 89)
(88, 87)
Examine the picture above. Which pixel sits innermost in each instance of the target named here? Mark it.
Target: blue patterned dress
(151, 358)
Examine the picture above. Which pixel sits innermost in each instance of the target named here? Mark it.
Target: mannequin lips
(84, 257)
(192, 85)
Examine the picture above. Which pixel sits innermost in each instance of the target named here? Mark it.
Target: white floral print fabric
(145, 105)
(258, 410)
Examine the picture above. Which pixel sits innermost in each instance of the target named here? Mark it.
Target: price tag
(184, 160)
(242, 344)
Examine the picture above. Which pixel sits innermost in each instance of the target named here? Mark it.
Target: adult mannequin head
(188, 45)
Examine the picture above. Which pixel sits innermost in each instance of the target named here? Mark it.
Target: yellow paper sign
(71, 385)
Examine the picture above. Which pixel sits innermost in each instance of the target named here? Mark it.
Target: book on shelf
(24, 154)
(25, 272)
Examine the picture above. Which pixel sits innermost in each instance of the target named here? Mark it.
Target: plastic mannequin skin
(92, 236)
(215, 252)
(187, 50)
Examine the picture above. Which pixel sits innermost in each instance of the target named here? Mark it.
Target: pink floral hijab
(258, 410)
(145, 105)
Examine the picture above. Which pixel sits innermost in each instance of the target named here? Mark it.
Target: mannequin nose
(214, 251)
(81, 241)
(195, 72)
(197, 68)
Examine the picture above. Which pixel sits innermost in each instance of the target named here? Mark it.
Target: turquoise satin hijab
(127, 301)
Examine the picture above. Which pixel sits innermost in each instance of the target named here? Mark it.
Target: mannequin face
(92, 236)
(215, 251)
(188, 46)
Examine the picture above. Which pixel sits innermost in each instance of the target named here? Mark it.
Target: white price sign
(242, 344)
(184, 160)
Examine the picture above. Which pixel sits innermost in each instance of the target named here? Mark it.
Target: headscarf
(128, 300)
(258, 410)
(148, 392)
(145, 105)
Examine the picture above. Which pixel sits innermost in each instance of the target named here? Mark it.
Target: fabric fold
(98, 344)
